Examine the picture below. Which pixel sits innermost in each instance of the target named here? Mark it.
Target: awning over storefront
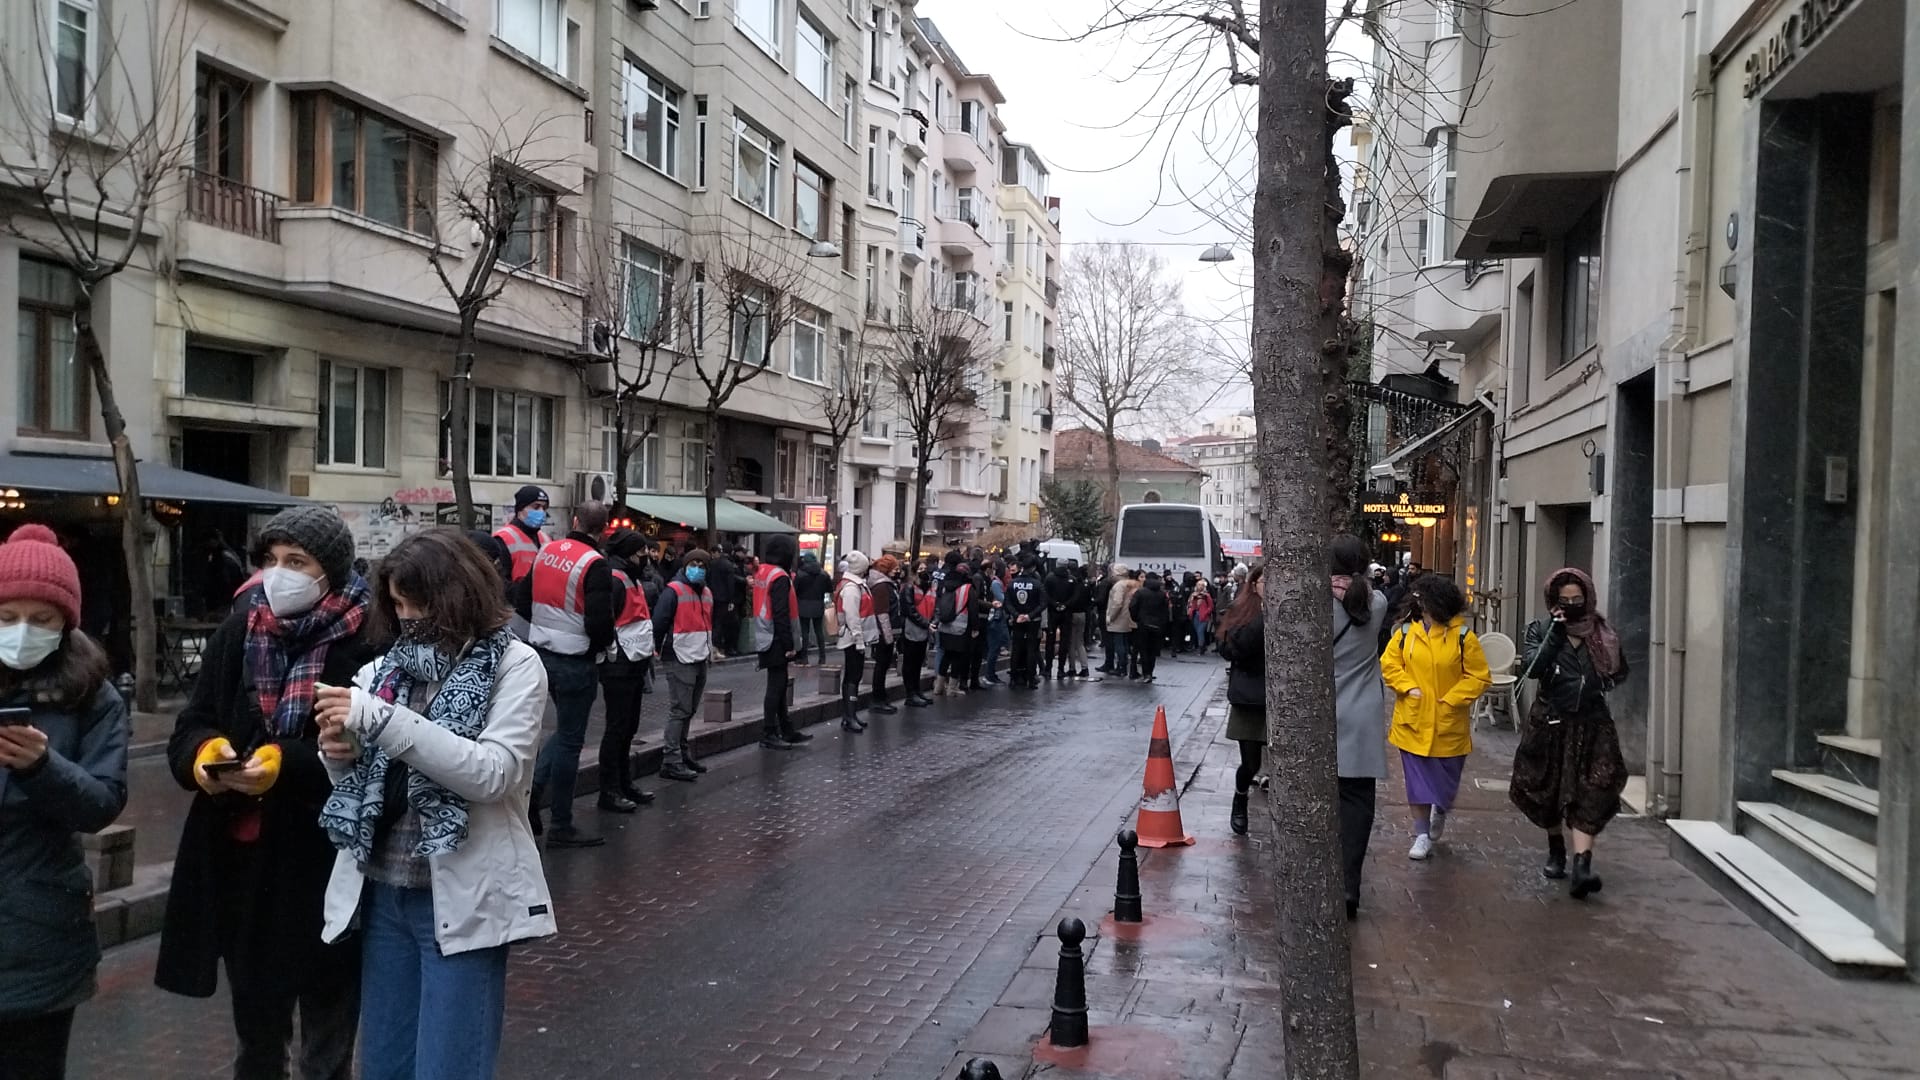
(1423, 445)
(691, 511)
(96, 476)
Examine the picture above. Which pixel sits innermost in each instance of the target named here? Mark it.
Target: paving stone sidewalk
(1469, 966)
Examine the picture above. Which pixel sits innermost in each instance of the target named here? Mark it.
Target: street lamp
(1218, 253)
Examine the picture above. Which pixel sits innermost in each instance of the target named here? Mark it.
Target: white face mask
(290, 592)
(23, 645)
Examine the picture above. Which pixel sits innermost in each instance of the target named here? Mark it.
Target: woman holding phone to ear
(63, 770)
(432, 752)
(252, 868)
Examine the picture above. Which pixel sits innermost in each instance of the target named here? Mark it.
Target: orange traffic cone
(1159, 819)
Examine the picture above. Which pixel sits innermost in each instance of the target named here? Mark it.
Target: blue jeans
(574, 682)
(424, 1016)
(1117, 651)
(998, 638)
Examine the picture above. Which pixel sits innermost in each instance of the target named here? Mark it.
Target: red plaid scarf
(285, 656)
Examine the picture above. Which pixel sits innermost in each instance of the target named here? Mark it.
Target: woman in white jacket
(431, 753)
(859, 629)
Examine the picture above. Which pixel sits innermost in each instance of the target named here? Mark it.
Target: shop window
(510, 433)
(53, 383)
(220, 374)
(353, 416)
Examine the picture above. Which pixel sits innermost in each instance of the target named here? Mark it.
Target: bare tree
(1125, 343)
(749, 285)
(89, 152)
(845, 403)
(511, 221)
(937, 360)
(637, 334)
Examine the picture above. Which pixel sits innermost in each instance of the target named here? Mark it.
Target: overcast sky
(1116, 177)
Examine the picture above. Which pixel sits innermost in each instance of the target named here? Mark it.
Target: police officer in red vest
(522, 533)
(623, 675)
(569, 600)
(776, 628)
(683, 639)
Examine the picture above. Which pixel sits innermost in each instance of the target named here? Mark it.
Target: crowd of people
(363, 743)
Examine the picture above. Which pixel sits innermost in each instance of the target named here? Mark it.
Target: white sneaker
(1436, 822)
(1422, 847)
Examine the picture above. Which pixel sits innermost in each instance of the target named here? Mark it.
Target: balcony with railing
(966, 145)
(959, 230)
(913, 133)
(913, 240)
(231, 205)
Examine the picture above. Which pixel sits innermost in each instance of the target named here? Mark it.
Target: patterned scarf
(1603, 644)
(285, 656)
(353, 812)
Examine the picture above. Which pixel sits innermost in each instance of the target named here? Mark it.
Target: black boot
(533, 810)
(1585, 881)
(1239, 818)
(878, 703)
(627, 788)
(1556, 866)
(850, 716)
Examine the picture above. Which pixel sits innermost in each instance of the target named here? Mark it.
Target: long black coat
(256, 903)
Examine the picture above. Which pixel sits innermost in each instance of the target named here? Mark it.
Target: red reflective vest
(522, 548)
(559, 622)
(633, 624)
(692, 634)
(767, 578)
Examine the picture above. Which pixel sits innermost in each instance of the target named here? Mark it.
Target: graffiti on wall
(377, 527)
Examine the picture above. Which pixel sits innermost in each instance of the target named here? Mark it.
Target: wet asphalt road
(808, 914)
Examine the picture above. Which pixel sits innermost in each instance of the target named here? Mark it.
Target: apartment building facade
(1698, 210)
(1028, 293)
(1224, 450)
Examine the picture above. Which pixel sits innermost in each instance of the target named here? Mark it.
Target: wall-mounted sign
(1804, 23)
(1406, 505)
(813, 519)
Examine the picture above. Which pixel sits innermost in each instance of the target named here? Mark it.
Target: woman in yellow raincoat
(1435, 668)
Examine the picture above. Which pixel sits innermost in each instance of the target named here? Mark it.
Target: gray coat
(1359, 697)
(48, 950)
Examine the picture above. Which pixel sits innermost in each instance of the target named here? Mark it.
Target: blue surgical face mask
(535, 518)
(696, 575)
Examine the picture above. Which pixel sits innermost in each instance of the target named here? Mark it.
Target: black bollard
(980, 1069)
(1069, 1026)
(1126, 895)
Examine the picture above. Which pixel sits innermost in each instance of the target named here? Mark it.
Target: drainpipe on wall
(1673, 427)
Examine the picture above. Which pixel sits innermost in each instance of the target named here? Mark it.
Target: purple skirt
(1432, 781)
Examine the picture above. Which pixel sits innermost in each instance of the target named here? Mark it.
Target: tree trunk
(460, 419)
(1316, 976)
(134, 546)
(713, 482)
(622, 450)
(1336, 328)
(1111, 501)
(833, 507)
(922, 453)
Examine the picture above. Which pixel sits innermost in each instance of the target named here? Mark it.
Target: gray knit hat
(320, 531)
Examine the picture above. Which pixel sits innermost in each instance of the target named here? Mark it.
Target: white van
(1063, 551)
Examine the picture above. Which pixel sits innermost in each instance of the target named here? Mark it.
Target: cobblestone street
(800, 915)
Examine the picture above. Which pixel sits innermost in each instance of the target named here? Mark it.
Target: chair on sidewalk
(1501, 657)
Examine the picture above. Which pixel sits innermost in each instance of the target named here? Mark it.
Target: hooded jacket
(811, 585)
(1148, 607)
(780, 551)
(1120, 605)
(859, 627)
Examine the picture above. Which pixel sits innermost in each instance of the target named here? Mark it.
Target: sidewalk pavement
(1469, 966)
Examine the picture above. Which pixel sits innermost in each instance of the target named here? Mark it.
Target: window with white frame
(964, 200)
(893, 154)
(749, 325)
(1006, 399)
(1440, 184)
(849, 111)
(760, 19)
(819, 472)
(813, 57)
(1006, 311)
(1012, 242)
(1446, 17)
(970, 117)
(702, 9)
(353, 416)
(648, 278)
(697, 306)
(643, 465)
(510, 432)
(809, 344)
(693, 455)
(873, 161)
(76, 49)
(653, 119)
(700, 143)
(877, 45)
(812, 200)
(535, 27)
(756, 167)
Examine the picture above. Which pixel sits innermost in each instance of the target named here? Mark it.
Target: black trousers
(726, 628)
(954, 662)
(1146, 650)
(882, 663)
(264, 1004)
(913, 659)
(813, 635)
(621, 686)
(1356, 825)
(1053, 642)
(773, 708)
(1025, 645)
(853, 667)
(35, 1048)
(976, 655)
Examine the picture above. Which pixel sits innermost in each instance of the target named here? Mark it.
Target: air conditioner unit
(593, 487)
(596, 338)
(933, 498)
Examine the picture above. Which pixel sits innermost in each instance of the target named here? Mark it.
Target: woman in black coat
(251, 874)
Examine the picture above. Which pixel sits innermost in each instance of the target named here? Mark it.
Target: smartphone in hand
(16, 717)
(221, 768)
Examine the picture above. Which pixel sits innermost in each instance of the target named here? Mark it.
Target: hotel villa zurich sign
(1804, 24)
(1407, 505)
